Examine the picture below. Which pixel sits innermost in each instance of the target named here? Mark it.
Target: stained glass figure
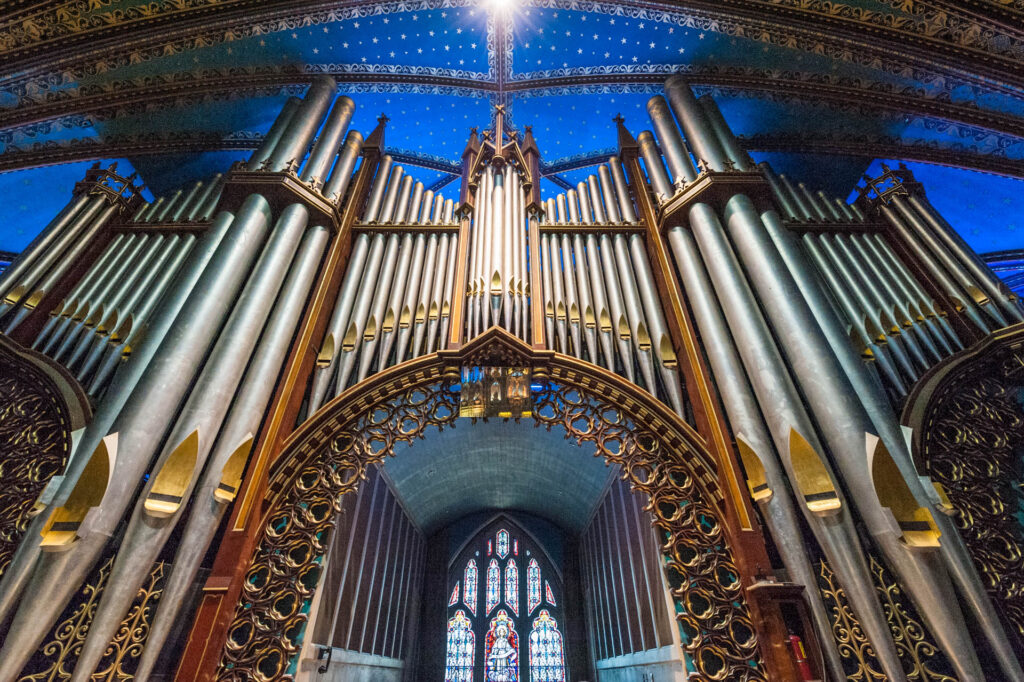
(547, 656)
(501, 655)
(455, 596)
(490, 547)
(549, 596)
(461, 649)
(532, 586)
(493, 586)
(469, 581)
(515, 547)
(502, 543)
(512, 586)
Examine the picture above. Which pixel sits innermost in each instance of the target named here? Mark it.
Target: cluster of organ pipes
(817, 434)
(498, 292)
(813, 316)
(220, 311)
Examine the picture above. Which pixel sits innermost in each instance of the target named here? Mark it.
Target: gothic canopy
(179, 88)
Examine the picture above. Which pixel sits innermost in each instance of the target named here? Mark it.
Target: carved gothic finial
(383, 119)
(619, 120)
(702, 165)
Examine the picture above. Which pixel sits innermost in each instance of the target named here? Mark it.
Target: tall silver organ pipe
(730, 145)
(222, 475)
(696, 128)
(848, 431)
(290, 149)
(326, 148)
(273, 135)
(676, 157)
(190, 439)
(139, 427)
(767, 478)
(344, 168)
(654, 167)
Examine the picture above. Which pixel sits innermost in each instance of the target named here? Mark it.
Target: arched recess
(659, 455)
(967, 416)
(40, 406)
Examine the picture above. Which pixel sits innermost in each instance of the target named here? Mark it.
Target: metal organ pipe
(596, 206)
(351, 341)
(140, 427)
(449, 286)
(221, 477)
(571, 302)
(425, 288)
(161, 215)
(190, 439)
(796, 198)
(848, 430)
(341, 176)
(823, 503)
(966, 257)
(372, 326)
(277, 129)
(772, 492)
(588, 318)
(326, 148)
(655, 170)
(393, 310)
(696, 128)
(574, 209)
(730, 145)
(781, 195)
(291, 147)
(558, 299)
(611, 205)
(870, 335)
(380, 183)
(437, 294)
(387, 210)
(830, 207)
(407, 316)
(661, 342)
(622, 191)
(583, 194)
(603, 318)
(676, 156)
(181, 210)
(620, 323)
(546, 278)
(415, 207)
(635, 312)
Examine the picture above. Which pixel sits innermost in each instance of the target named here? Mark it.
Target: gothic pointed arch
(659, 455)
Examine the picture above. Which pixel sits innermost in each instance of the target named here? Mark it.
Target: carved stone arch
(658, 453)
(40, 406)
(967, 416)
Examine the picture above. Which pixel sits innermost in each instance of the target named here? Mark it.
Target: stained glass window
(490, 547)
(512, 586)
(532, 586)
(461, 647)
(493, 586)
(548, 594)
(455, 596)
(501, 655)
(469, 586)
(502, 543)
(515, 547)
(547, 658)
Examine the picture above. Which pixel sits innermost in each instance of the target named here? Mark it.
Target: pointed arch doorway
(659, 456)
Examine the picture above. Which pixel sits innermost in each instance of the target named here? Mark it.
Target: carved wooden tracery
(968, 426)
(328, 456)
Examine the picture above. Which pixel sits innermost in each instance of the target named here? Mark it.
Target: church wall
(625, 593)
(369, 598)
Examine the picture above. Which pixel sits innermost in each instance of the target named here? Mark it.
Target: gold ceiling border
(328, 456)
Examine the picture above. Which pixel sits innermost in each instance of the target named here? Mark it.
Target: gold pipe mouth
(915, 522)
(61, 529)
(326, 354)
(171, 482)
(813, 479)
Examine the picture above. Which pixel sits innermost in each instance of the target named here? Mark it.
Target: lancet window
(513, 606)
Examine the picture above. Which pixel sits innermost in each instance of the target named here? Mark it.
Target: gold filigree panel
(56, 658)
(922, 660)
(35, 441)
(970, 443)
(331, 459)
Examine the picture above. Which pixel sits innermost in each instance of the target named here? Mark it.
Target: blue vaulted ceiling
(820, 89)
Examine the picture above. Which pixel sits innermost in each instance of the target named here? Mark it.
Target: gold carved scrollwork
(922, 659)
(330, 460)
(35, 441)
(970, 436)
(56, 658)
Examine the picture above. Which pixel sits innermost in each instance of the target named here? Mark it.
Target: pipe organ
(318, 263)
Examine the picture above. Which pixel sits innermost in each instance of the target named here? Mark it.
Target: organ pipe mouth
(902, 319)
(34, 299)
(643, 338)
(370, 332)
(94, 317)
(589, 319)
(108, 323)
(574, 314)
(757, 480)
(874, 331)
(326, 354)
(172, 481)
(348, 343)
(62, 527)
(389, 321)
(668, 353)
(421, 314)
(549, 310)
(812, 478)
(978, 295)
(434, 312)
(858, 343)
(231, 474)
(605, 320)
(14, 295)
(624, 333)
(405, 318)
(560, 311)
(916, 523)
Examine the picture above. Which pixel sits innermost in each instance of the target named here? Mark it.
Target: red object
(800, 656)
